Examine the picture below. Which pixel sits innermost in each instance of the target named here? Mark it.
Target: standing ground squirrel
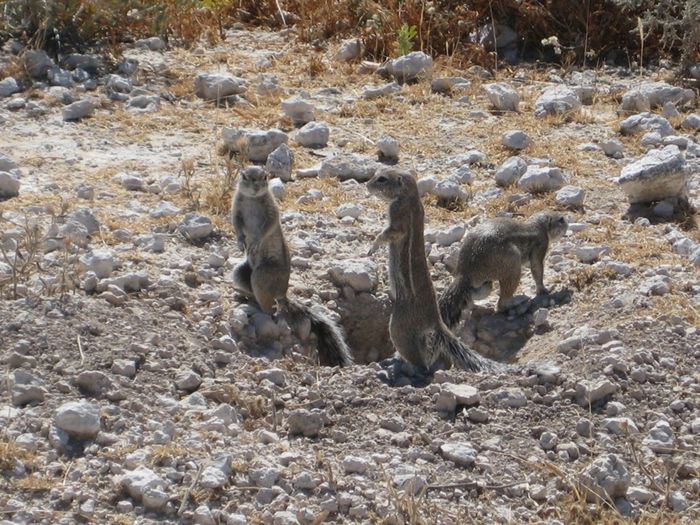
(496, 250)
(264, 275)
(415, 327)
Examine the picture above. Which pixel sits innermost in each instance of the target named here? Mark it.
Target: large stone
(101, 262)
(196, 228)
(462, 454)
(360, 275)
(656, 176)
(37, 63)
(88, 63)
(60, 77)
(410, 67)
(646, 122)
(660, 438)
(138, 481)
(502, 96)
(348, 166)
(8, 86)
(216, 475)
(349, 50)
(371, 92)
(658, 93)
(215, 86)
(539, 179)
(279, 163)
(313, 135)
(515, 139)
(388, 148)
(606, 478)
(79, 110)
(255, 144)
(591, 392)
(79, 419)
(556, 100)
(510, 171)
(307, 423)
(454, 395)
(570, 196)
(9, 185)
(299, 110)
(634, 101)
(143, 103)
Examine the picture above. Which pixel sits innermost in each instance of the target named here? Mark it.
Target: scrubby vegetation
(584, 31)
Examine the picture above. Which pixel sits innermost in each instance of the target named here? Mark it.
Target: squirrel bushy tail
(332, 348)
(460, 354)
(456, 297)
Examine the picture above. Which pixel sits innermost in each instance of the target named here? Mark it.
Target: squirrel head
(389, 183)
(554, 222)
(253, 182)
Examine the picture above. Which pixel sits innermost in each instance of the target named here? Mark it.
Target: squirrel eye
(562, 220)
(382, 179)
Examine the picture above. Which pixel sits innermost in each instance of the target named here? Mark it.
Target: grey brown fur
(415, 327)
(496, 251)
(264, 275)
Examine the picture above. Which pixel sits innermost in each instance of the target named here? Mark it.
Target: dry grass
(34, 484)
(11, 453)
(160, 454)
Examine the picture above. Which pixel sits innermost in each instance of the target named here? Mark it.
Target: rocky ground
(137, 388)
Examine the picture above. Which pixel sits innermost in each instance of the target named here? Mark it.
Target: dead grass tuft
(11, 453)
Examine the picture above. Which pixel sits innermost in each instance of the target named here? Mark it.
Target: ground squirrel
(264, 275)
(496, 250)
(415, 327)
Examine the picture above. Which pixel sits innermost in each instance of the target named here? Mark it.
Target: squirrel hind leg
(269, 284)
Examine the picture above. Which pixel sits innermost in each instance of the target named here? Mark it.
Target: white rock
(646, 122)
(139, 480)
(254, 143)
(154, 43)
(539, 179)
(426, 185)
(620, 426)
(548, 440)
(277, 188)
(154, 499)
(590, 392)
(9, 185)
(449, 236)
(657, 175)
(462, 454)
(349, 50)
(216, 475)
(659, 93)
(640, 495)
(196, 227)
(305, 422)
(8, 87)
(215, 86)
(613, 148)
(660, 438)
(510, 397)
(284, 517)
(669, 111)
(510, 171)
(570, 196)
(449, 190)
(101, 262)
(388, 148)
(691, 122)
(143, 103)
(299, 110)
(79, 110)
(359, 274)
(453, 395)
(348, 166)
(313, 135)
(516, 140)
(634, 101)
(124, 367)
(605, 478)
(79, 419)
(411, 66)
(371, 92)
(502, 96)
(118, 84)
(188, 380)
(355, 465)
(349, 209)
(556, 100)
(279, 163)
